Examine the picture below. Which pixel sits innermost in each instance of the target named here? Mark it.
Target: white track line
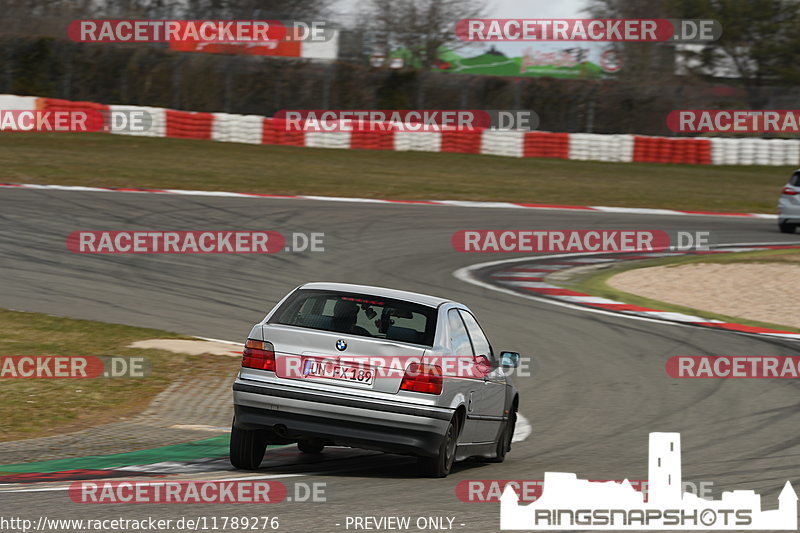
(466, 274)
(451, 203)
(209, 339)
(149, 482)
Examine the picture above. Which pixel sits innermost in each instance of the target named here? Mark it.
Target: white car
(789, 205)
(373, 368)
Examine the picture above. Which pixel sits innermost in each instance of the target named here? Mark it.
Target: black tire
(310, 446)
(785, 227)
(442, 462)
(504, 439)
(247, 448)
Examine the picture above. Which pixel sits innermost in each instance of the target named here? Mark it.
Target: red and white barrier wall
(253, 129)
(10, 102)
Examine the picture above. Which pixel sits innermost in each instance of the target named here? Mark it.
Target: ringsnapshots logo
(568, 503)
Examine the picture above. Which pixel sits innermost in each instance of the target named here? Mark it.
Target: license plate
(317, 368)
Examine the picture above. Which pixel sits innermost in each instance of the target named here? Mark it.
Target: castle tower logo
(569, 503)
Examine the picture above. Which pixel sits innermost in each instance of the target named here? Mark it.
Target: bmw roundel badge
(341, 345)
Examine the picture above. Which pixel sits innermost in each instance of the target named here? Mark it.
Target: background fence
(153, 75)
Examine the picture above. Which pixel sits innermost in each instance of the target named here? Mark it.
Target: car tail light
(422, 378)
(789, 191)
(258, 354)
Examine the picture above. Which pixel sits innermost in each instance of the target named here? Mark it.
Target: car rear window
(358, 314)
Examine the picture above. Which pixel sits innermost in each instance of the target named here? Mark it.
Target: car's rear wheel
(310, 446)
(504, 439)
(247, 448)
(440, 464)
(785, 227)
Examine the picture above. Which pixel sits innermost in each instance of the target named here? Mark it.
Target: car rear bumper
(342, 419)
(789, 210)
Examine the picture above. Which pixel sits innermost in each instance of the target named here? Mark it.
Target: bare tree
(421, 27)
(759, 45)
(43, 17)
(257, 9)
(759, 40)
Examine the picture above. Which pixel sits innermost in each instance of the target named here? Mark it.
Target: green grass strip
(200, 449)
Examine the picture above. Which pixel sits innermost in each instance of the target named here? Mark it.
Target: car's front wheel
(785, 227)
(247, 448)
(504, 440)
(440, 464)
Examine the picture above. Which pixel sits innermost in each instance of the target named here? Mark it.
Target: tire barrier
(189, 125)
(253, 129)
(546, 144)
(95, 113)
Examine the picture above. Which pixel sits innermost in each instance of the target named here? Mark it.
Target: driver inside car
(345, 314)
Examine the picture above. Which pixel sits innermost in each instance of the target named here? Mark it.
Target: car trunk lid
(340, 361)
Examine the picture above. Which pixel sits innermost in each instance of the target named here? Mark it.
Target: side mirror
(509, 359)
(482, 365)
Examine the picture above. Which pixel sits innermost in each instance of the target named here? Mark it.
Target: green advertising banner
(567, 63)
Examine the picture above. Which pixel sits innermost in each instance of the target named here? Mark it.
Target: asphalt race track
(600, 386)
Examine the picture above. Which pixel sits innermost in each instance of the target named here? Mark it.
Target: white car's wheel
(440, 464)
(311, 446)
(504, 439)
(247, 448)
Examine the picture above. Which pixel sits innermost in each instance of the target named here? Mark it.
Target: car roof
(383, 292)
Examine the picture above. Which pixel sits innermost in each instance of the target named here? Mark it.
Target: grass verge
(595, 282)
(40, 407)
(122, 161)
